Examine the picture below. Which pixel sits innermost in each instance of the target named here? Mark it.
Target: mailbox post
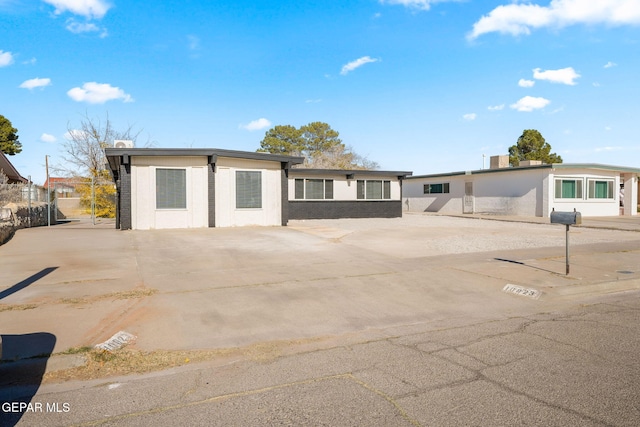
(566, 218)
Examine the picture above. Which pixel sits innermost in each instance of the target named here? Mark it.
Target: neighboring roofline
(351, 172)
(543, 166)
(596, 166)
(12, 173)
(202, 152)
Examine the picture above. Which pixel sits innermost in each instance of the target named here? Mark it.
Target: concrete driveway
(217, 288)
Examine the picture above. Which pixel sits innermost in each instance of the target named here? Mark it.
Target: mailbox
(566, 218)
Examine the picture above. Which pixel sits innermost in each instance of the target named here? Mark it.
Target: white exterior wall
(526, 192)
(145, 216)
(226, 213)
(519, 193)
(586, 206)
(346, 189)
(414, 199)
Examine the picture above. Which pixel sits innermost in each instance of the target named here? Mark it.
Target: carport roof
(118, 156)
(596, 166)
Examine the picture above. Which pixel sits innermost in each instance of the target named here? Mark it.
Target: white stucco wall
(414, 199)
(346, 189)
(227, 215)
(585, 205)
(526, 192)
(145, 216)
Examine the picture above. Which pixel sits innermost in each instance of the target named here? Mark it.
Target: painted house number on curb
(117, 341)
(519, 290)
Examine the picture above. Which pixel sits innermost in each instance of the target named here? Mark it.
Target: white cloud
(605, 149)
(415, 4)
(470, 116)
(519, 18)
(6, 58)
(526, 83)
(98, 93)
(496, 107)
(34, 83)
(564, 75)
(259, 124)
(346, 69)
(45, 137)
(78, 28)
(75, 134)
(90, 9)
(610, 64)
(530, 103)
(193, 42)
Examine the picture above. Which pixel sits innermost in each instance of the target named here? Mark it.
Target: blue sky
(420, 85)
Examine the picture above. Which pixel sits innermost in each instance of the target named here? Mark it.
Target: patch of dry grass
(17, 307)
(101, 363)
(135, 293)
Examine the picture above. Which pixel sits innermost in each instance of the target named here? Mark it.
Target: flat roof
(353, 172)
(117, 156)
(543, 166)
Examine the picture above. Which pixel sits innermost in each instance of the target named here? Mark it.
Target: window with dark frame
(248, 189)
(313, 189)
(171, 188)
(373, 189)
(439, 188)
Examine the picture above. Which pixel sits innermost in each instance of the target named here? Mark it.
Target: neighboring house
(330, 194)
(531, 189)
(10, 171)
(197, 187)
(63, 187)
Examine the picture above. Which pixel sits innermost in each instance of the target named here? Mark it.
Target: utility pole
(46, 162)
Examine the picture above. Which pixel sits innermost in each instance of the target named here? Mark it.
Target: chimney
(530, 162)
(499, 162)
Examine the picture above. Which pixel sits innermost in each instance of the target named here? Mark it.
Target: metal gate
(83, 199)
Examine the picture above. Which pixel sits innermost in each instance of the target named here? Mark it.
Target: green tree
(285, 140)
(318, 143)
(9, 143)
(532, 146)
(102, 192)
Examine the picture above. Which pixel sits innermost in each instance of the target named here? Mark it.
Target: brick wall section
(284, 188)
(211, 190)
(335, 209)
(125, 197)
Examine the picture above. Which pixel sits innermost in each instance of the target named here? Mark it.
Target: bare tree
(84, 145)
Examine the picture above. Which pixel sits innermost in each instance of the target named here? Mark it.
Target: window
(436, 188)
(600, 189)
(372, 190)
(248, 189)
(171, 188)
(568, 189)
(313, 188)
